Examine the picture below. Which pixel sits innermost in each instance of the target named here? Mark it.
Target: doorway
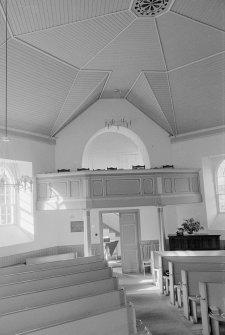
(120, 237)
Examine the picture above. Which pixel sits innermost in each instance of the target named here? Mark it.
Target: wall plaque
(77, 226)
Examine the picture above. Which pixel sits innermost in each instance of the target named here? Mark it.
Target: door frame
(133, 210)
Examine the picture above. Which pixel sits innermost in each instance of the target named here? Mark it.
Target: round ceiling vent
(150, 8)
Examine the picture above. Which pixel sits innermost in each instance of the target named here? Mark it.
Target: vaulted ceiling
(166, 57)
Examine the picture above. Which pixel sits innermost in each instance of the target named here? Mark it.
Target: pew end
(212, 297)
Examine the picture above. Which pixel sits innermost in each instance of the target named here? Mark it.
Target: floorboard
(153, 308)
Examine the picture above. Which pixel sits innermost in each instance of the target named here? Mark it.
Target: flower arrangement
(190, 226)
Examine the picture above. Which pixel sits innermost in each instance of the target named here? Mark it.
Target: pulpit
(194, 242)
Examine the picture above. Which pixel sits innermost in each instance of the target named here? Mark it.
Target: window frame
(221, 162)
(9, 207)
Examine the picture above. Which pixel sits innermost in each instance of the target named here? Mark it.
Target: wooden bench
(45, 297)
(166, 285)
(212, 294)
(175, 268)
(161, 260)
(120, 321)
(53, 282)
(44, 316)
(26, 268)
(190, 287)
(45, 273)
(51, 258)
(155, 266)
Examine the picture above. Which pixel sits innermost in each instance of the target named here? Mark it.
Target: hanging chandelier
(23, 182)
(117, 123)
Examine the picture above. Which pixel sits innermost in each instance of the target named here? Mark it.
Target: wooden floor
(154, 309)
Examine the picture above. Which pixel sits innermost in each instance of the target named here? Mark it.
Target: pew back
(45, 316)
(53, 282)
(213, 256)
(176, 267)
(175, 272)
(211, 294)
(45, 273)
(51, 258)
(191, 279)
(108, 323)
(46, 297)
(26, 268)
(190, 284)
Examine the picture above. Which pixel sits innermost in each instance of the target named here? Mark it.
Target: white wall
(112, 150)
(71, 141)
(41, 155)
(53, 227)
(194, 154)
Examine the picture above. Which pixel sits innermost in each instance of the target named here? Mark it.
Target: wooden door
(129, 242)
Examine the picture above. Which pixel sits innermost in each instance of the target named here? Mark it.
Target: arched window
(7, 197)
(220, 186)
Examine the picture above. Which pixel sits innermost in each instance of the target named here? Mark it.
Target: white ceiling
(63, 55)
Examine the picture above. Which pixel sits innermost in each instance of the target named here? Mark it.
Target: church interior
(112, 164)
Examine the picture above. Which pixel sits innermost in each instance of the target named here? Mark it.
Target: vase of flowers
(191, 226)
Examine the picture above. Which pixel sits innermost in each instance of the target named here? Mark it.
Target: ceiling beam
(90, 60)
(54, 132)
(28, 135)
(195, 20)
(45, 53)
(197, 134)
(197, 61)
(168, 79)
(4, 17)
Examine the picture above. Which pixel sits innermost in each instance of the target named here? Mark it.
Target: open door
(129, 235)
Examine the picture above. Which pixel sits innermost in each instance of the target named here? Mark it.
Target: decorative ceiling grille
(150, 8)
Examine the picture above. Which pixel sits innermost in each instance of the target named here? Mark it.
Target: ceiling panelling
(137, 48)
(160, 87)
(2, 30)
(28, 16)
(185, 41)
(198, 94)
(92, 98)
(143, 98)
(112, 46)
(85, 84)
(37, 88)
(210, 12)
(120, 82)
(77, 43)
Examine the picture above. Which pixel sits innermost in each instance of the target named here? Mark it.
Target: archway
(117, 147)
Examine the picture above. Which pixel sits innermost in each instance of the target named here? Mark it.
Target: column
(161, 229)
(87, 233)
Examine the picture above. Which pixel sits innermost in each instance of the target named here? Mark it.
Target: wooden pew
(156, 266)
(175, 275)
(212, 294)
(45, 297)
(26, 268)
(204, 256)
(120, 321)
(44, 316)
(51, 258)
(53, 282)
(45, 273)
(190, 287)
